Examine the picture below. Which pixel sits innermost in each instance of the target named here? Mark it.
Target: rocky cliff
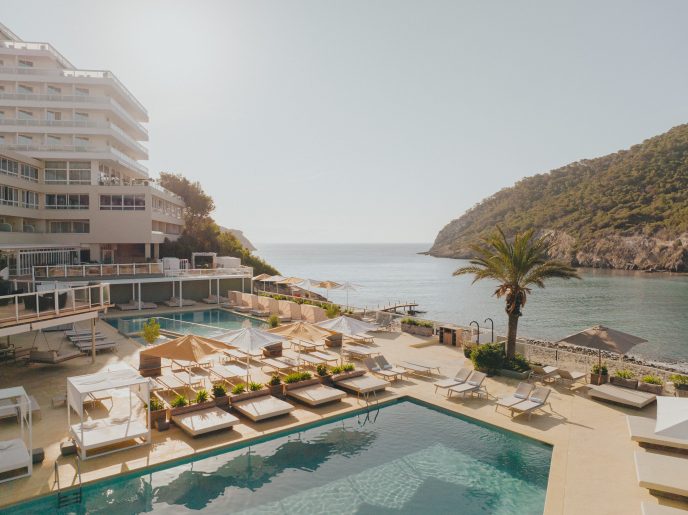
(627, 210)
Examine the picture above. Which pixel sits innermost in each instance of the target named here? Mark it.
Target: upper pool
(207, 322)
(401, 458)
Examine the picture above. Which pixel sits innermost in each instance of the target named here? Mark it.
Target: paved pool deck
(592, 468)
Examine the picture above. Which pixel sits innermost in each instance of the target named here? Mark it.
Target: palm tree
(516, 266)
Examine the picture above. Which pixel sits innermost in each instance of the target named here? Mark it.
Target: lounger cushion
(363, 384)
(642, 430)
(14, 455)
(665, 474)
(262, 408)
(316, 394)
(204, 421)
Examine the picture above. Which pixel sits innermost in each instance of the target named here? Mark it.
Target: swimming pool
(404, 457)
(207, 322)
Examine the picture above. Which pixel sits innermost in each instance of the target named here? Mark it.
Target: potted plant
(158, 411)
(254, 387)
(625, 379)
(242, 392)
(680, 384)
(651, 383)
(417, 327)
(179, 405)
(599, 374)
(345, 371)
(220, 395)
(299, 380)
(275, 385)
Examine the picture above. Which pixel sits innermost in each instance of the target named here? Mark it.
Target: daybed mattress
(625, 396)
(363, 384)
(108, 431)
(262, 408)
(316, 394)
(13, 455)
(642, 430)
(204, 421)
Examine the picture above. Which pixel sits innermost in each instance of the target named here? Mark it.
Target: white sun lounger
(196, 423)
(106, 432)
(544, 373)
(316, 394)
(620, 395)
(278, 366)
(174, 302)
(642, 430)
(99, 345)
(536, 400)
(662, 474)
(375, 368)
(419, 368)
(311, 360)
(234, 355)
(214, 299)
(571, 378)
(325, 356)
(461, 377)
(523, 391)
(14, 456)
(227, 372)
(86, 338)
(363, 385)
(356, 353)
(473, 385)
(262, 408)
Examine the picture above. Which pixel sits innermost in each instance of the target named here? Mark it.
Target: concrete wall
(289, 309)
(312, 314)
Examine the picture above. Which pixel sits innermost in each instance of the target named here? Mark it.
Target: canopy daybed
(15, 453)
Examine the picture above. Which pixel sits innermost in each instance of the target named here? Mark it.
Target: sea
(653, 306)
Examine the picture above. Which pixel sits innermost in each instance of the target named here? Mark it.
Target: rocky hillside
(624, 210)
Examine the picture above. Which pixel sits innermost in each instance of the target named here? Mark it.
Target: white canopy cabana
(91, 435)
(348, 326)
(251, 341)
(15, 454)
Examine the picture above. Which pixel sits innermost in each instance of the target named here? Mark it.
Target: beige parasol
(603, 338)
(187, 348)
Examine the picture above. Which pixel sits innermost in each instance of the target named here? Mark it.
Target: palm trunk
(511, 336)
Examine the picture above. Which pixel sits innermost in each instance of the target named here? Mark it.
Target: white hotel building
(72, 187)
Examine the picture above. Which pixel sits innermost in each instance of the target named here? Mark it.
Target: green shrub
(336, 369)
(488, 357)
(275, 380)
(321, 369)
(348, 367)
(150, 331)
(416, 322)
(650, 379)
(332, 311)
(240, 388)
(155, 404)
(273, 321)
(518, 364)
(201, 396)
(600, 370)
(179, 401)
(678, 379)
(296, 377)
(254, 387)
(219, 390)
(624, 374)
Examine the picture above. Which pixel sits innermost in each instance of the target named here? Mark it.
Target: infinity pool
(400, 458)
(207, 322)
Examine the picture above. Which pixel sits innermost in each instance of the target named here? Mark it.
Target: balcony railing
(29, 307)
(114, 270)
(237, 271)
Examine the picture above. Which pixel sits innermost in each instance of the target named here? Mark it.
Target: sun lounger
(180, 381)
(642, 430)
(174, 302)
(662, 475)
(242, 308)
(620, 395)
(306, 346)
(387, 366)
(316, 394)
(361, 339)
(543, 373)
(363, 385)
(460, 378)
(196, 423)
(135, 305)
(278, 366)
(226, 373)
(101, 345)
(325, 356)
(214, 299)
(262, 408)
(419, 368)
(522, 393)
(375, 368)
(354, 353)
(14, 456)
(84, 338)
(311, 360)
(571, 378)
(649, 508)
(85, 332)
(234, 355)
(106, 432)
(473, 385)
(536, 400)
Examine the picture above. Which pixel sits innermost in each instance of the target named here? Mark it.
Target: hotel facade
(72, 188)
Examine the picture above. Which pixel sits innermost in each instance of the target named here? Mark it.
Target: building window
(81, 142)
(24, 115)
(23, 63)
(56, 172)
(9, 196)
(54, 90)
(21, 88)
(64, 201)
(54, 140)
(53, 116)
(30, 199)
(9, 167)
(79, 172)
(122, 202)
(28, 172)
(81, 116)
(24, 140)
(69, 226)
(81, 91)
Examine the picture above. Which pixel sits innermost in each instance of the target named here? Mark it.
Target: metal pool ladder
(71, 495)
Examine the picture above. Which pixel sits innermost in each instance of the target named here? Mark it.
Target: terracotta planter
(222, 402)
(624, 383)
(417, 330)
(348, 375)
(301, 384)
(275, 390)
(598, 379)
(326, 380)
(652, 388)
(157, 416)
(192, 407)
(248, 395)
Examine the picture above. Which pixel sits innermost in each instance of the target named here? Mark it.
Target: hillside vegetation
(624, 210)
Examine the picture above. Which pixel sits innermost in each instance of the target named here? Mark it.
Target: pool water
(400, 458)
(208, 322)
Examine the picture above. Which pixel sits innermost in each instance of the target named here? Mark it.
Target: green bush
(150, 331)
(296, 377)
(488, 357)
(415, 322)
(678, 379)
(240, 388)
(337, 369)
(624, 374)
(321, 369)
(518, 364)
(275, 380)
(600, 370)
(650, 379)
(332, 311)
(219, 390)
(273, 321)
(201, 396)
(155, 404)
(254, 387)
(179, 401)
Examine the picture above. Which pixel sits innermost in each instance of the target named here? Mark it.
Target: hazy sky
(375, 121)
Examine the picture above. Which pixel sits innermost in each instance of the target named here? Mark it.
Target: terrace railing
(237, 271)
(27, 307)
(127, 269)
